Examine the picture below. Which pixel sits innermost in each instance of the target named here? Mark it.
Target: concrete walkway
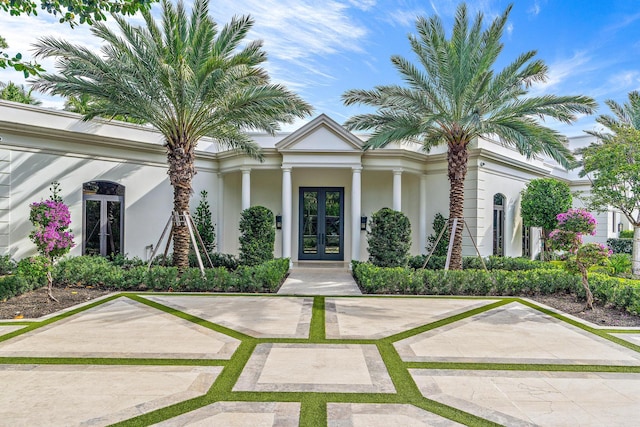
(327, 280)
(148, 352)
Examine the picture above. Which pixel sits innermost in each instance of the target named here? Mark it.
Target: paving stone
(348, 368)
(89, 395)
(122, 328)
(240, 414)
(319, 281)
(518, 398)
(259, 317)
(514, 334)
(382, 415)
(378, 317)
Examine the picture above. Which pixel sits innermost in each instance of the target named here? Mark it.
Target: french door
(103, 224)
(321, 228)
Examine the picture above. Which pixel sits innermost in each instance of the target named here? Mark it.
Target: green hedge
(492, 263)
(11, 286)
(98, 271)
(377, 280)
(621, 293)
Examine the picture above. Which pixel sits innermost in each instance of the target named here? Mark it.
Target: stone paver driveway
(250, 360)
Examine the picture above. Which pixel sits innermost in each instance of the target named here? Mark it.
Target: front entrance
(321, 224)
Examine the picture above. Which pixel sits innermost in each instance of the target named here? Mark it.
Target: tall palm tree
(184, 76)
(457, 96)
(84, 103)
(626, 115)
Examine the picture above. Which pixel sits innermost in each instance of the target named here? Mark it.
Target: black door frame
(321, 224)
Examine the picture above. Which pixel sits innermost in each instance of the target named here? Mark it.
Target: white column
(422, 237)
(356, 196)
(246, 188)
(287, 212)
(220, 206)
(397, 189)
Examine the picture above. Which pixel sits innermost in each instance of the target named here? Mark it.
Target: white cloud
(535, 9)
(562, 70)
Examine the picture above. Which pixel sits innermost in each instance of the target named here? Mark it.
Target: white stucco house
(317, 179)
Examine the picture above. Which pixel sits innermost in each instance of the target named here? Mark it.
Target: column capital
(356, 168)
(286, 168)
(246, 169)
(398, 171)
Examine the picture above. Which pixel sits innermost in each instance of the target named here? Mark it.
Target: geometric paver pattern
(514, 334)
(537, 398)
(238, 360)
(259, 317)
(106, 331)
(389, 316)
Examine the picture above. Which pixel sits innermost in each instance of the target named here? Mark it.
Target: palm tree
(626, 115)
(458, 96)
(84, 103)
(184, 76)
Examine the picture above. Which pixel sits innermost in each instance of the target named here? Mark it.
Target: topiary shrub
(257, 235)
(389, 238)
(439, 249)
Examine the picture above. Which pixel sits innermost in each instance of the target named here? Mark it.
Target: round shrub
(389, 238)
(257, 235)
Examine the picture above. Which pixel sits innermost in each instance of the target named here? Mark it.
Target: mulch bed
(34, 304)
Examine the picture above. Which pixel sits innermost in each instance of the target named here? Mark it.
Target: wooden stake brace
(176, 220)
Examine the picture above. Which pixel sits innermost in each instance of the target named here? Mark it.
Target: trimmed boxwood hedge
(492, 263)
(98, 271)
(621, 293)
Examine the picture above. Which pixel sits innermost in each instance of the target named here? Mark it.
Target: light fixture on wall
(619, 227)
(279, 222)
(363, 223)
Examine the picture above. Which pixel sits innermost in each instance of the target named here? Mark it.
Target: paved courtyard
(307, 359)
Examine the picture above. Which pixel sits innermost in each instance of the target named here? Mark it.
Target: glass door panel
(310, 235)
(114, 216)
(92, 227)
(332, 228)
(321, 229)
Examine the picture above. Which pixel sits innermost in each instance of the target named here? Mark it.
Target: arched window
(103, 214)
(498, 224)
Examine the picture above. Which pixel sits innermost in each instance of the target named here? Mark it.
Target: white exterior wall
(39, 146)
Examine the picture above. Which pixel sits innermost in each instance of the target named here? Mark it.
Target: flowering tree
(572, 225)
(51, 235)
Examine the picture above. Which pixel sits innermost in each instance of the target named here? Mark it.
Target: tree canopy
(542, 200)
(186, 77)
(455, 94)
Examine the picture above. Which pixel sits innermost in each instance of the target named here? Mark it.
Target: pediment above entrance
(322, 134)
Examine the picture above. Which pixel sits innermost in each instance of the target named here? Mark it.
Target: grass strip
(522, 367)
(193, 319)
(439, 323)
(318, 320)
(313, 411)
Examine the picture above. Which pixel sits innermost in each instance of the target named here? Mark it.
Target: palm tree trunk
(181, 171)
(457, 157)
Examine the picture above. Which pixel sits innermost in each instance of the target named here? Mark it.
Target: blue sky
(592, 47)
